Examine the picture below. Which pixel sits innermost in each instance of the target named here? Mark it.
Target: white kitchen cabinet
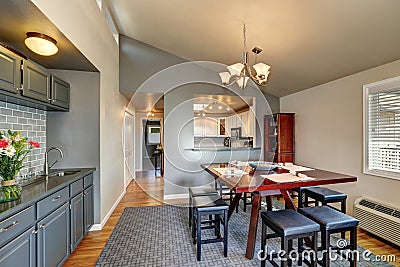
(198, 126)
(205, 127)
(210, 126)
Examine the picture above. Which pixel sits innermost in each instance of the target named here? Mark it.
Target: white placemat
(286, 178)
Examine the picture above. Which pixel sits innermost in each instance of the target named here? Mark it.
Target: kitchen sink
(64, 173)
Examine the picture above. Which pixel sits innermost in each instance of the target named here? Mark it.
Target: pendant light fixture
(41, 44)
(242, 72)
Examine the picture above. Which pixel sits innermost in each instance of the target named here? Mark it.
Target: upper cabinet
(205, 127)
(25, 83)
(10, 70)
(59, 92)
(36, 82)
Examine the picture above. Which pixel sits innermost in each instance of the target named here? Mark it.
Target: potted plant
(13, 150)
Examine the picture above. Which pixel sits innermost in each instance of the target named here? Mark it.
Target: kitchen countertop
(223, 148)
(41, 189)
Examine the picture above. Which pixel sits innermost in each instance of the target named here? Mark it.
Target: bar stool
(198, 192)
(207, 205)
(333, 221)
(288, 225)
(323, 195)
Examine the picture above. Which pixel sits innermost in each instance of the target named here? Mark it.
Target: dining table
(254, 181)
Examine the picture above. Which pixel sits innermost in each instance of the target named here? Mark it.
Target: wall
(89, 32)
(32, 124)
(77, 132)
(329, 131)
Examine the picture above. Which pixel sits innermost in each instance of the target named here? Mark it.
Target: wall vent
(378, 218)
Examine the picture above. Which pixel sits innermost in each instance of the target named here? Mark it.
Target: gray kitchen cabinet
(10, 70)
(21, 251)
(36, 82)
(77, 222)
(88, 209)
(53, 238)
(60, 91)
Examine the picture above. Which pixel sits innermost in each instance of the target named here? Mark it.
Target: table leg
(233, 204)
(251, 240)
(288, 200)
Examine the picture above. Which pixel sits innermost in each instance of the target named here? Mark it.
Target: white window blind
(382, 128)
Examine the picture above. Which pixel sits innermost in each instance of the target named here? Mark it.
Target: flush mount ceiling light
(41, 44)
(241, 72)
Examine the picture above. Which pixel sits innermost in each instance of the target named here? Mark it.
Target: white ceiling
(306, 42)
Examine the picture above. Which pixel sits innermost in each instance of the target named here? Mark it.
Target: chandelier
(241, 72)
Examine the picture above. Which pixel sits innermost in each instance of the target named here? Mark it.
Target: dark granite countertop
(41, 189)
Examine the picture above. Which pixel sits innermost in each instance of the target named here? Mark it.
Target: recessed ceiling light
(228, 108)
(41, 44)
(219, 107)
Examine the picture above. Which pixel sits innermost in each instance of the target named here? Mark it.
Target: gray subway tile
(27, 127)
(11, 119)
(28, 115)
(3, 118)
(3, 104)
(17, 127)
(18, 113)
(12, 106)
(22, 121)
(5, 111)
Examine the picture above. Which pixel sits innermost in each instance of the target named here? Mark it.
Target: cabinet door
(21, 251)
(210, 127)
(10, 70)
(60, 91)
(228, 125)
(244, 121)
(36, 82)
(198, 126)
(53, 238)
(88, 209)
(252, 125)
(76, 221)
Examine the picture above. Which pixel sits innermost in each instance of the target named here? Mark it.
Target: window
(382, 128)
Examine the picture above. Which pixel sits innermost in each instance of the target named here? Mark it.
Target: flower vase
(10, 190)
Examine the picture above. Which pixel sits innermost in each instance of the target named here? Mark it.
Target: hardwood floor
(148, 191)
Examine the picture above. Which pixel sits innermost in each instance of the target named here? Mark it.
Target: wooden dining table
(254, 183)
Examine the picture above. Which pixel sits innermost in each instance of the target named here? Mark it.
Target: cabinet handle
(35, 232)
(5, 229)
(57, 198)
(42, 225)
(51, 100)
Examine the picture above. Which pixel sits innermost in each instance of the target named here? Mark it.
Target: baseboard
(176, 196)
(99, 226)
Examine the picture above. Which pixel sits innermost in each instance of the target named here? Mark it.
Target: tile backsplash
(32, 124)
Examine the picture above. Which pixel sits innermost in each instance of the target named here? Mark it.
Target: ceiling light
(241, 72)
(228, 108)
(219, 107)
(41, 44)
(210, 107)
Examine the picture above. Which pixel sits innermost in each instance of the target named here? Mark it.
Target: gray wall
(329, 132)
(77, 132)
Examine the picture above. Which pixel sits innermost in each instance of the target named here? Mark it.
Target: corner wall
(329, 131)
(85, 26)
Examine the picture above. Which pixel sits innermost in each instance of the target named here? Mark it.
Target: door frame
(132, 175)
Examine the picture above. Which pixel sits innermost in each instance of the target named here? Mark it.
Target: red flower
(3, 143)
(34, 144)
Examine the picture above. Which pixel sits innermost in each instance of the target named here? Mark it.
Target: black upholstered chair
(333, 221)
(288, 225)
(199, 192)
(322, 195)
(217, 212)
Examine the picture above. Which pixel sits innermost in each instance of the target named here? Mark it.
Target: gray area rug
(160, 236)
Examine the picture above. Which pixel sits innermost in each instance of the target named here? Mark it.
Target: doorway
(129, 148)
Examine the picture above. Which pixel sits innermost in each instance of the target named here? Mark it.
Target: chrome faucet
(46, 167)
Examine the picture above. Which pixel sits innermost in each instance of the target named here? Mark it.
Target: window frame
(381, 86)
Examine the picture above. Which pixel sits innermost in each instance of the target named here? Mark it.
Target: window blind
(384, 131)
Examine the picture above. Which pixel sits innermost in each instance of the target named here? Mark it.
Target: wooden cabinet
(77, 220)
(53, 238)
(279, 137)
(88, 211)
(10, 70)
(21, 251)
(36, 81)
(60, 92)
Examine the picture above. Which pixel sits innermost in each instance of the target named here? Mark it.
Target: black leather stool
(323, 195)
(198, 192)
(207, 205)
(288, 225)
(333, 221)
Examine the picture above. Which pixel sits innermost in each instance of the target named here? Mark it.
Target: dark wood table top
(254, 182)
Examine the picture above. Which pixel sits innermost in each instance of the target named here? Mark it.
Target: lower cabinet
(53, 238)
(21, 251)
(77, 224)
(88, 208)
